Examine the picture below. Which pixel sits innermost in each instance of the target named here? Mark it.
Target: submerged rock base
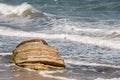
(37, 54)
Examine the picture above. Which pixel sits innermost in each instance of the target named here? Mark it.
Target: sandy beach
(12, 72)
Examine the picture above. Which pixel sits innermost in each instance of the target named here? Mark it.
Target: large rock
(37, 54)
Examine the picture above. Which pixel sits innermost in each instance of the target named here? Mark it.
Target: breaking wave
(24, 9)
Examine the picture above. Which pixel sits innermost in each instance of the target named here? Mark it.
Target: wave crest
(24, 9)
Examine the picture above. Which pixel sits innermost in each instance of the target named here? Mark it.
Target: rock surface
(37, 54)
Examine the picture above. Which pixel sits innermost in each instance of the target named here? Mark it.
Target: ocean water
(86, 33)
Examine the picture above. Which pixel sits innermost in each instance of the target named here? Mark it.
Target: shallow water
(86, 33)
(71, 72)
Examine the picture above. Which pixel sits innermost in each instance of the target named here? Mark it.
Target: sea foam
(24, 9)
(4, 54)
(108, 79)
(49, 74)
(98, 41)
(90, 64)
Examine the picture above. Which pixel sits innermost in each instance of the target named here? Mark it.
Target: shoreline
(71, 72)
(13, 72)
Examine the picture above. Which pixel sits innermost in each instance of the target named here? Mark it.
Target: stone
(37, 54)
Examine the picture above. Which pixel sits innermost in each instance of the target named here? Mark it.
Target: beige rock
(37, 54)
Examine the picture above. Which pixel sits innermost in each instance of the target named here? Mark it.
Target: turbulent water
(86, 33)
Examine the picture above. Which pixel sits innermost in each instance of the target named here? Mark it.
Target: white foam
(20, 10)
(73, 28)
(108, 79)
(48, 74)
(89, 64)
(4, 54)
(102, 42)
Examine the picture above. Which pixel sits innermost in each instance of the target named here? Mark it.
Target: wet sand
(12, 72)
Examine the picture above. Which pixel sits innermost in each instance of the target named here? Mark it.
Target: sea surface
(86, 33)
